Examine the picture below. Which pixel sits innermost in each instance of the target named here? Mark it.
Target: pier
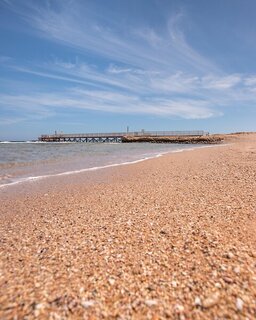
(118, 136)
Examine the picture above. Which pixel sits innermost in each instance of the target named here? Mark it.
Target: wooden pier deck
(117, 136)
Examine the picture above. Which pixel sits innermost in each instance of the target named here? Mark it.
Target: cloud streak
(73, 24)
(131, 91)
(142, 69)
(49, 104)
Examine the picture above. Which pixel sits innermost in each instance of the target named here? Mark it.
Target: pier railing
(122, 134)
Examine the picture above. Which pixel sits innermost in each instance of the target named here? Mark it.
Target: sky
(100, 66)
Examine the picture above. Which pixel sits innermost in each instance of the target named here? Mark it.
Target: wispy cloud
(10, 120)
(127, 91)
(224, 82)
(107, 102)
(185, 54)
(75, 25)
(22, 108)
(4, 59)
(150, 36)
(143, 70)
(251, 81)
(116, 70)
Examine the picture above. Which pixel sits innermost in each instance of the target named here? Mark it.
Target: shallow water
(26, 161)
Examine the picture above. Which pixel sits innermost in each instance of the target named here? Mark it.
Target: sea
(23, 162)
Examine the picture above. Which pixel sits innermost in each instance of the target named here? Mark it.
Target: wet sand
(172, 237)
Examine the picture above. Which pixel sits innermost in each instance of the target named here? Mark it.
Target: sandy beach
(171, 237)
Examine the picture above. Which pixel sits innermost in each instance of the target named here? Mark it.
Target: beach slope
(171, 237)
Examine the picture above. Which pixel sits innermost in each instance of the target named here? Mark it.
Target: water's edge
(36, 178)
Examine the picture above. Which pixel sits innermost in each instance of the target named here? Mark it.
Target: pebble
(87, 303)
(215, 273)
(212, 300)
(230, 255)
(223, 268)
(237, 270)
(239, 304)
(111, 281)
(174, 284)
(197, 301)
(38, 308)
(179, 308)
(228, 280)
(218, 285)
(150, 302)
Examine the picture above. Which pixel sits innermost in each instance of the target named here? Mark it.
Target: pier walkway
(115, 136)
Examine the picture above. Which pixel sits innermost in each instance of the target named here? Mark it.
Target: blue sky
(95, 65)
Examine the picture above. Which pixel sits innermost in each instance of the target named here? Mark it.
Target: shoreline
(173, 237)
(67, 173)
(205, 139)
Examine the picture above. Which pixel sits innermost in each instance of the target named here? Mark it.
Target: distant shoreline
(175, 139)
(207, 139)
